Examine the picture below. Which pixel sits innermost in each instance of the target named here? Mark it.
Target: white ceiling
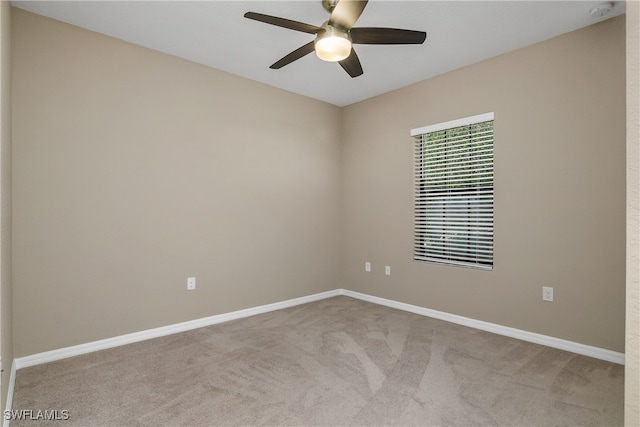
(216, 34)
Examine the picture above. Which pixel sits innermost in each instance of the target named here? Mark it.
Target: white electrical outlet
(547, 293)
(191, 283)
(367, 267)
(387, 270)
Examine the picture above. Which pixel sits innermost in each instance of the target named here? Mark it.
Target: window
(454, 192)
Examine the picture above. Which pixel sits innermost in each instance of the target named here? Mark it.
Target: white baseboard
(63, 353)
(585, 350)
(12, 384)
(76, 350)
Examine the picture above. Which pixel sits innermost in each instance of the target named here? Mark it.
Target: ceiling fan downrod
(329, 5)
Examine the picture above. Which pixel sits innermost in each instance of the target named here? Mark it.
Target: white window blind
(454, 192)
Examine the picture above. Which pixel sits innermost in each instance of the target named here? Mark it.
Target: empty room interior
(192, 242)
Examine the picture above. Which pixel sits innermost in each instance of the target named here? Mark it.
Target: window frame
(478, 251)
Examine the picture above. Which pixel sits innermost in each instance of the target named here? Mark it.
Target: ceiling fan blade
(347, 12)
(370, 35)
(352, 65)
(293, 56)
(282, 22)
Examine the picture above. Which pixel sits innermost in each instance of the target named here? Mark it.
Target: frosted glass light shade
(333, 45)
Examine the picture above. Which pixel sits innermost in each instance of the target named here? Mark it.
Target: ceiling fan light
(333, 45)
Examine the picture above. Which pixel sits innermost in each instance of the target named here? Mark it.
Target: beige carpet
(338, 361)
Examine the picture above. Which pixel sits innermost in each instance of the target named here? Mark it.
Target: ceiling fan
(334, 38)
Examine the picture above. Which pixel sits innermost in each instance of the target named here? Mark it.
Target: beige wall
(133, 170)
(559, 189)
(6, 343)
(632, 349)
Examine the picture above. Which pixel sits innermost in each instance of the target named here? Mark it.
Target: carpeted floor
(338, 361)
